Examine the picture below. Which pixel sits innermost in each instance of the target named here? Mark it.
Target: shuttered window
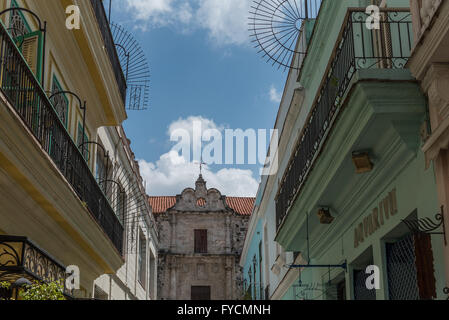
(79, 141)
(30, 43)
(425, 272)
(60, 101)
(142, 260)
(30, 52)
(200, 241)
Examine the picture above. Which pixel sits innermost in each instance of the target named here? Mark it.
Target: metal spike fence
(276, 26)
(135, 67)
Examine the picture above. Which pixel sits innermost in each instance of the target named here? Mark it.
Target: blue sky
(203, 66)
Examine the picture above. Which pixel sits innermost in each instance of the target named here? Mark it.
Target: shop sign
(376, 219)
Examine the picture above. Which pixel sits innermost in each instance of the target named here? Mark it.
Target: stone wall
(179, 268)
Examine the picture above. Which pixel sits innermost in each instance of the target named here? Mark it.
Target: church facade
(202, 233)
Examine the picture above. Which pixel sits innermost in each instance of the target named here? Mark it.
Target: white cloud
(226, 21)
(172, 172)
(187, 124)
(150, 10)
(275, 95)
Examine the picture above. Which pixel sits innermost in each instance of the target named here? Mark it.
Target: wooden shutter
(200, 241)
(30, 52)
(425, 272)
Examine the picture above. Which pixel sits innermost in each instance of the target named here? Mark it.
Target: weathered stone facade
(180, 268)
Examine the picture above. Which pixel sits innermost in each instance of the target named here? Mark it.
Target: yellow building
(50, 77)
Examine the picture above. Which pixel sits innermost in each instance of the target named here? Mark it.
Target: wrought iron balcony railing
(103, 24)
(358, 47)
(24, 93)
(21, 258)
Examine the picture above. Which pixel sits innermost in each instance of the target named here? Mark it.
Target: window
(153, 276)
(250, 276)
(142, 260)
(255, 278)
(120, 209)
(30, 43)
(103, 172)
(200, 293)
(17, 23)
(410, 268)
(200, 241)
(341, 290)
(101, 168)
(99, 294)
(60, 102)
(79, 140)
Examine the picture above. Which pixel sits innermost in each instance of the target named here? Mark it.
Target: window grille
(401, 269)
(361, 292)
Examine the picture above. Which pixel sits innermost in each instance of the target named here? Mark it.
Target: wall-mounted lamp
(362, 161)
(325, 216)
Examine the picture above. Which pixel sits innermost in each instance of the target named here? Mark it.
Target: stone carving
(200, 199)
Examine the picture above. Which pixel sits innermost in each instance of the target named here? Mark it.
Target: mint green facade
(381, 112)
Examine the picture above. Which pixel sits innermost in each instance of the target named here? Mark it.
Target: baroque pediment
(200, 198)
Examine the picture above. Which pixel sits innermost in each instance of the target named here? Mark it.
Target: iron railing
(357, 47)
(109, 44)
(21, 258)
(23, 91)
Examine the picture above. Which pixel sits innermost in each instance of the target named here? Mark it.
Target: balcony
(21, 258)
(109, 45)
(24, 93)
(357, 48)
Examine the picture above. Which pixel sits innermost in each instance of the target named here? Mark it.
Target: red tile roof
(241, 205)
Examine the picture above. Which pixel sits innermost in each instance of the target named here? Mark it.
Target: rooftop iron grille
(276, 26)
(357, 48)
(108, 40)
(135, 67)
(24, 93)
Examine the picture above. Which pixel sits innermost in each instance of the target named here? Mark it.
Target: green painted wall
(385, 116)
